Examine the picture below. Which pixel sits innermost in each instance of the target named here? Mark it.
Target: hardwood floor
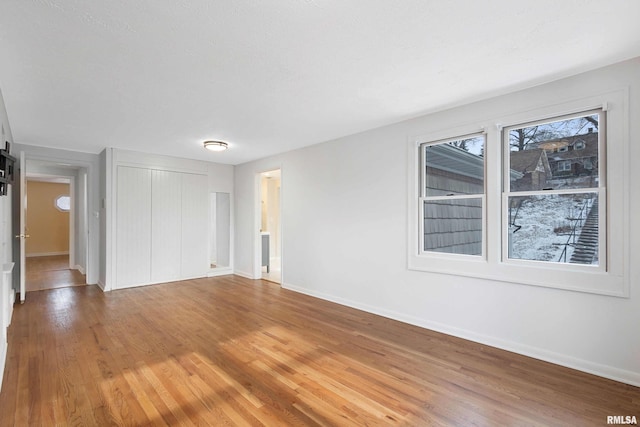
(50, 272)
(232, 351)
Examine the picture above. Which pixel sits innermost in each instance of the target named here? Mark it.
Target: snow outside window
(452, 199)
(555, 218)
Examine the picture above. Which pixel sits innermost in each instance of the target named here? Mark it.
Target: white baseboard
(244, 274)
(220, 272)
(36, 254)
(101, 285)
(610, 372)
(80, 269)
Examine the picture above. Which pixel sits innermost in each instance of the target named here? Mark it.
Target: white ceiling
(161, 76)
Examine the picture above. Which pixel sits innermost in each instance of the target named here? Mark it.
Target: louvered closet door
(133, 227)
(195, 231)
(166, 220)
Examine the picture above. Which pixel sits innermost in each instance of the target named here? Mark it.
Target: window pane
(453, 226)
(63, 203)
(455, 167)
(557, 228)
(553, 155)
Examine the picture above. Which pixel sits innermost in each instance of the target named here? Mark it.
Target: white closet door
(133, 222)
(166, 214)
(195, 227)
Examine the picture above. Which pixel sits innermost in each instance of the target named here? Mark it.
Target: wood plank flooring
(232, 351)
(50, 272)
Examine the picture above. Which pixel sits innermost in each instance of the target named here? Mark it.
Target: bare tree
(592, 121)
(520, 138)
(463, 144)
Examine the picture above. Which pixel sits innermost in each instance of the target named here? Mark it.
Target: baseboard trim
(220, 272)
(244, 274)
(37, 254)
(605, 371)
(80, 269)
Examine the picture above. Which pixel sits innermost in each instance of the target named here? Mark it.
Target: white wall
(6, 289)
(344, 230)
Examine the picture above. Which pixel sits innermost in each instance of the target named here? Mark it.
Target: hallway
(50, 272)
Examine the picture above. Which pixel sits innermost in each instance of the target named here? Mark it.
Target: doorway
(270, 226)
(48, 164)
(220, 234)
(50, 218)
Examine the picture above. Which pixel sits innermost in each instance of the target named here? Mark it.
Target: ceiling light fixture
(216, 145)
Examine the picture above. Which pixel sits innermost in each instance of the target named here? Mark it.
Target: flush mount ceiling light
(215, 145)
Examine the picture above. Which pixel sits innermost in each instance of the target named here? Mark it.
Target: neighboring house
(534, 167)
(453, 226)
(573, 156)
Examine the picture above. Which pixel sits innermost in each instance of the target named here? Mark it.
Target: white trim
(245, 275)
(72, 220)
(80, 269)
(22, 218)
(605, 371)
(222, 271)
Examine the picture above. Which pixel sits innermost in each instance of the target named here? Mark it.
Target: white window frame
(424, 198)
(601, 191)
(614, 280)
(562, 165)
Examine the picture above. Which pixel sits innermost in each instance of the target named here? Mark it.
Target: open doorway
(79, 174)
(270, 232)
(55, 224)
(48, 214)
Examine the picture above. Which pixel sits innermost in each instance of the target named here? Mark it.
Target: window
(588, 164)
(63, 203)
(564, 166)
(580, 144)
(452, 199)
(560, 222)
(515, 209)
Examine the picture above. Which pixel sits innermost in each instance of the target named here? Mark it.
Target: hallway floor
(50, 272)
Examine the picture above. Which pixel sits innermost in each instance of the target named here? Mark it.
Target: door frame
(85, 167)
(257, 259)
(22, 236)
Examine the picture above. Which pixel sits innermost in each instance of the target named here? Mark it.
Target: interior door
(133, 230)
